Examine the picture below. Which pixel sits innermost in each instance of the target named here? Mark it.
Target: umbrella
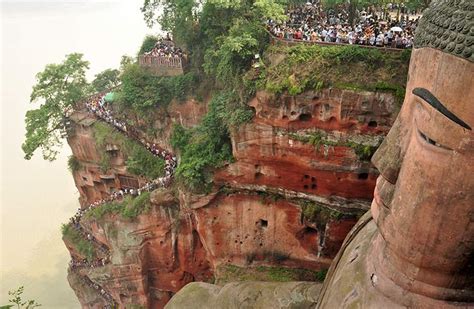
(396, 29)
(109, 97)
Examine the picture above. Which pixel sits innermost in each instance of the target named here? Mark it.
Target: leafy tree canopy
(217, 33)
(148, 43)
(58, 87)
(141, 90)
(105, 80)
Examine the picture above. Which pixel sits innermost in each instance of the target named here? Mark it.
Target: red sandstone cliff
(296, 150)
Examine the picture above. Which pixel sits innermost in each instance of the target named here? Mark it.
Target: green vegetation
(148, 43)
(269, 197)
(73, 164)
(83, 246)
(17, 301)
(105, 80)
(319, 138)
(59, 87)
(232, 273)
(129, 208)
(316, 213)
(207, 146)
(139, 161)
(313, 67)
(142, 90)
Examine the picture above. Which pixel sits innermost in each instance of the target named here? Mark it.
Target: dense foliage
(105, 80)
(148, 43)
(208, 146)
(142, 90)
(221, 38)
(58, 88)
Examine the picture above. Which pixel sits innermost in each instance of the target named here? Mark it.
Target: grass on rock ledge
(313, 67)
(231, 273)
(139, 161)
(129, 208)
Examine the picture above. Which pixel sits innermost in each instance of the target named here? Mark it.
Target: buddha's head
(424, 198)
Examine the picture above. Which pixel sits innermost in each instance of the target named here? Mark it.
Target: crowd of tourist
(97, 106)
(98, 262)
(103, 293)
(166, 49)
(310, 23)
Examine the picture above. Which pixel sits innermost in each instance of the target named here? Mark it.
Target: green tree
(176, 16)
(16, 299)
(125, 61)
(417, 4)
(353, 5)
(148, 43)
(58, 87)
(105, 80)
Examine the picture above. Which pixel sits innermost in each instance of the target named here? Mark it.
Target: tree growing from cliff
(58, 88)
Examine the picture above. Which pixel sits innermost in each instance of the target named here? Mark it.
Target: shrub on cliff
(73, 164)
(208, 146)
(83, 246)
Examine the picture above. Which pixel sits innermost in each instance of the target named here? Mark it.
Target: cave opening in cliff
(262, 223)
(363, 175)
(305, 117)
(372, 124)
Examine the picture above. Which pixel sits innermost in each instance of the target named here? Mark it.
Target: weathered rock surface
(255, 295)
(255, 216)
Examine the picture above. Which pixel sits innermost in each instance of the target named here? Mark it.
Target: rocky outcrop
(300, 180)
(152, 256)
(247, 295)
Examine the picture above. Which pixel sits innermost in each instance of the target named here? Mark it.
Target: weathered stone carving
(449, 26)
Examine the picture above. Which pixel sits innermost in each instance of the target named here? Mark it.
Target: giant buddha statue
(415, 247)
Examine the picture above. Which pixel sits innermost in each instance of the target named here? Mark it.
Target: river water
(37, 196)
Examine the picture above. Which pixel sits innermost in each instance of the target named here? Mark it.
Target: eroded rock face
(93, 183)
(152, 256)
(245, 229)
(256, 215)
